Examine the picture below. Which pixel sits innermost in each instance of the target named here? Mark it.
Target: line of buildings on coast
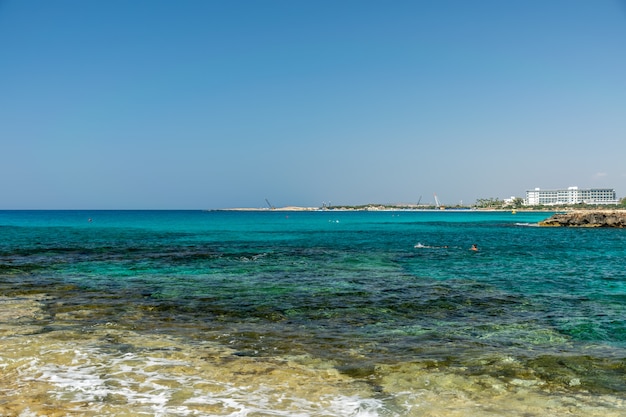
(570, 195)
(534, 197)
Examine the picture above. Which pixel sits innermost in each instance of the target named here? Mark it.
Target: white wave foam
(160, 386)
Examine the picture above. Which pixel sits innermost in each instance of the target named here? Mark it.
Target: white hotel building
(570, 195)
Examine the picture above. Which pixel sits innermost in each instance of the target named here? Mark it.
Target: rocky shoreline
(587, 218)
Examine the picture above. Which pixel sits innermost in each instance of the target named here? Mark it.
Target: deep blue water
(396, 286)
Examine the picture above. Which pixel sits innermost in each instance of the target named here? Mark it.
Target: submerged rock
(588, 218)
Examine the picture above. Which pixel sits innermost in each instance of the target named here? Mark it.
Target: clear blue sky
(211, 104)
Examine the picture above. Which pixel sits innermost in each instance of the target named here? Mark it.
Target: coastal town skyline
(201, 105)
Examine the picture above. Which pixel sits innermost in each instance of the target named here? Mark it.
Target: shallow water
(309, 314)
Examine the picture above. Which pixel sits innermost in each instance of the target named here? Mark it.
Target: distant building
(570, 195)
(509, 201)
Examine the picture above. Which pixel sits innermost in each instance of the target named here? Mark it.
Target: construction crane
(437, 203)
(269, 204)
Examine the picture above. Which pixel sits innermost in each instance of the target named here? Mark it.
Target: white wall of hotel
(570, 195)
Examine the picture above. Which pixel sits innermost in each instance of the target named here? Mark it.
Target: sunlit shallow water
(311, 314)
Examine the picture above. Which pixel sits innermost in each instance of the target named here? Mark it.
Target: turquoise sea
(327, 313)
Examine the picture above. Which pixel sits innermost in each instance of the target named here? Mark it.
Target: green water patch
(589, 329)
(596, 316)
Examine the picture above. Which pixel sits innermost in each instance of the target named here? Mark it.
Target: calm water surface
(192, 313)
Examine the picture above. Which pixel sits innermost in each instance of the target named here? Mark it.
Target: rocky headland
(588, 218)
